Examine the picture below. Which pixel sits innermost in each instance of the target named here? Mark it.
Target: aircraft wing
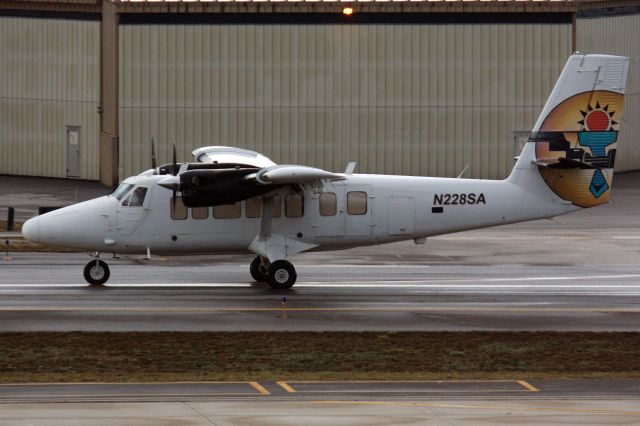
(291, 174)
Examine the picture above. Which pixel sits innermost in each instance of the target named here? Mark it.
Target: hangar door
(406, 99)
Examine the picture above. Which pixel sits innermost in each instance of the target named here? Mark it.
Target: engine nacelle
(205, 188)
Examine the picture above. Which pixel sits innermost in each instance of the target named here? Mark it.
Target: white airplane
(234, 200)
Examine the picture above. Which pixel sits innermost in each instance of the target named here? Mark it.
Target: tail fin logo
(576, 147)
(598, 134)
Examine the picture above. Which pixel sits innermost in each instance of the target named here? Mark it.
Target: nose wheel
(96, 272)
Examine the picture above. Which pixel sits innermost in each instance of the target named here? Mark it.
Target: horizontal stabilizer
(562, 163)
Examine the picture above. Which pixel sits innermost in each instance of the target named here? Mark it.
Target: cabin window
(328, 204)
(200, 213)
(293, 205)
(178, 209)
(253, 207)
(227, 211)
(357, 202)
(122, 190)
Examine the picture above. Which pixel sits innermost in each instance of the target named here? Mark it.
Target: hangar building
(403, 87)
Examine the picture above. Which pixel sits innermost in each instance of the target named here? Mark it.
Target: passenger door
(359, 206)
(330, 211)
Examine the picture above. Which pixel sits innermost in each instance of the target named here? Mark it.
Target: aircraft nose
(31, 229)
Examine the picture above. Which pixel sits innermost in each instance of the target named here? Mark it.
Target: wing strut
(273, 245)
(267, 217)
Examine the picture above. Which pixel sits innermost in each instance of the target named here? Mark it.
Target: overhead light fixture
(347, 11)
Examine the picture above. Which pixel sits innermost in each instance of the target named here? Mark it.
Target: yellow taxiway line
(285, 386)
(257, 386)
(290, 389)
(528, 386)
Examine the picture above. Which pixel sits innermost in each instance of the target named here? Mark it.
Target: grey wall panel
(50, 71)
(619, 35)
(410, 99)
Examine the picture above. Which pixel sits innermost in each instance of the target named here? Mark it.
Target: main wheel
(281, 274)
(96, 272)
(258, 271)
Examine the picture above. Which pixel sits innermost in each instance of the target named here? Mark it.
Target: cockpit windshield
(121, 190)
(136, 199)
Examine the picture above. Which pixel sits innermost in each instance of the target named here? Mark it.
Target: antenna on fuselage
(463, 171)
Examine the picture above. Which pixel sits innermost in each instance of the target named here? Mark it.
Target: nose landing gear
(96, 272)
(279, 274)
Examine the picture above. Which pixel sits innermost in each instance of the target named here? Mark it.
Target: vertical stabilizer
(572, 148)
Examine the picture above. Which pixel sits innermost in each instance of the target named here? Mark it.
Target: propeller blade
(154, 163)
(174, 169)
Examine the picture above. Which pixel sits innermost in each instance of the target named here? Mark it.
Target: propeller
(154, 163)
(174, 172)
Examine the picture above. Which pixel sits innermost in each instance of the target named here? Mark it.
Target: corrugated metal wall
(401, 99)
(49, 78)
(619, 35)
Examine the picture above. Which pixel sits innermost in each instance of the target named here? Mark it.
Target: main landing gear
(96, 272)
(279, 274)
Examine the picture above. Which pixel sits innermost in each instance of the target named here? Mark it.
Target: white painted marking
(442, 283)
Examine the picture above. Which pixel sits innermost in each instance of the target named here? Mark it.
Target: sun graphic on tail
(598, 119)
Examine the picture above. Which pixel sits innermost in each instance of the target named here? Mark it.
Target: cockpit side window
(121, 190)
(136, 199)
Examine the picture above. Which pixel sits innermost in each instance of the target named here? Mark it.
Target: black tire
(96, 272)
(258, 272)
(281, 275)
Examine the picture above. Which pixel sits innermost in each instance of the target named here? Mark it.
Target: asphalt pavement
(515, 401)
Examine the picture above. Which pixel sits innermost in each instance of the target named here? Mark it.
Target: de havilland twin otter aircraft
(234, 200)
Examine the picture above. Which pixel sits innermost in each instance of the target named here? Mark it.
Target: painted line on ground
(286, 386)
(445, 282)
(406, 381)
(127, 395)
(528, 386)
(183, 382)
(162, 309)
(257, 386)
